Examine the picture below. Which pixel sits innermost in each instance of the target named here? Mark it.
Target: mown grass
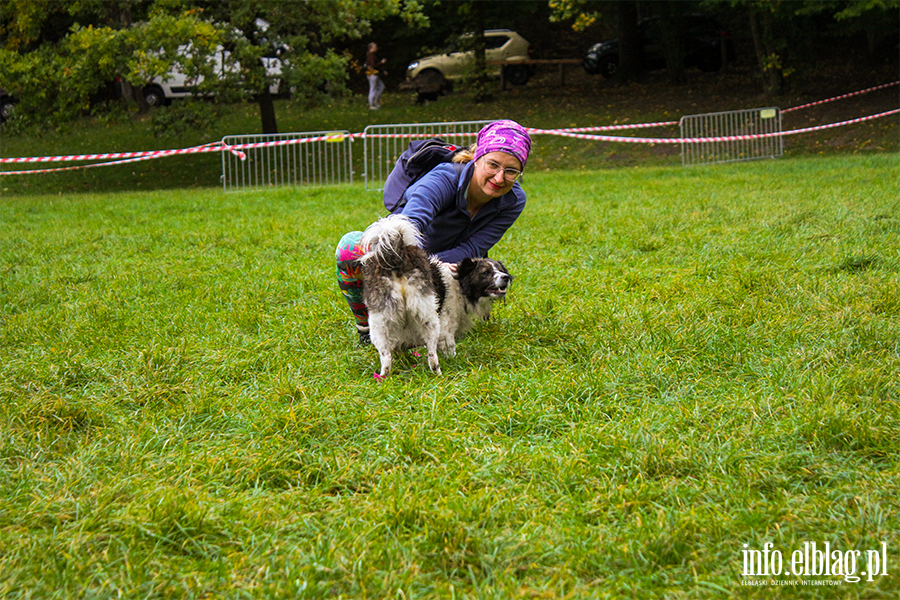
(691, 360)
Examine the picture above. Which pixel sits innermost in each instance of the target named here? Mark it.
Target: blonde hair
(465, 155)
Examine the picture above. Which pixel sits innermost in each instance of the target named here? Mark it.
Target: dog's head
(483, 278)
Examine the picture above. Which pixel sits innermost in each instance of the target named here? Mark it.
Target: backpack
(421, 157)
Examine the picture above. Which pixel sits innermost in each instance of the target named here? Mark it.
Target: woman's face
(494, 185)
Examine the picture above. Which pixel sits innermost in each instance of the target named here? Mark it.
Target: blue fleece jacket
(436, 203)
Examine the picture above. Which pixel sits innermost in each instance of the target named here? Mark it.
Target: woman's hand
(452, 267)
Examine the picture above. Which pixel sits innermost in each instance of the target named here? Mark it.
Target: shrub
(181, 117)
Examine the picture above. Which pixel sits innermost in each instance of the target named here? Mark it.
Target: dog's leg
(377, 327)
(431, 330)
(386, 363)
(450, 347)
(447, 343)
(432, 336)
(433, 362)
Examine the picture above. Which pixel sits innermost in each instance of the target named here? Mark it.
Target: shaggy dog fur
(414, 300)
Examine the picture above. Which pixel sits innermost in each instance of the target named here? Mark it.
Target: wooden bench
(562, 62)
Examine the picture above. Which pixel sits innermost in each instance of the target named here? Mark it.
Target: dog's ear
(465, 267)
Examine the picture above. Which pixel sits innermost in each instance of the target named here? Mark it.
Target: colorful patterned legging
(349, 276)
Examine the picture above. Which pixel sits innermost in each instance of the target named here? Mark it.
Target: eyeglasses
(493, 167)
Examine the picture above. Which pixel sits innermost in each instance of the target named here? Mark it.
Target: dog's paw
(447, 346)
(433, 363)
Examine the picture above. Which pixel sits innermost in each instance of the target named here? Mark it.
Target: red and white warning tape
(618, 127)
(705, 140)
(212, 147)
(859, 93)
(575, 132)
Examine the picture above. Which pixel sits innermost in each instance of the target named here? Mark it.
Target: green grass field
(690, 360)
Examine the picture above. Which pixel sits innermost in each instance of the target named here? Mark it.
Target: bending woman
(460, 212)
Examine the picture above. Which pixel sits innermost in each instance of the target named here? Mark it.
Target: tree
(585, 12)
(786, 34)
(629, 40)
(875, 19)
(478, 79)
(55, 66)
(59, 80)
(302, 35)
(59, 54)
(776, 26)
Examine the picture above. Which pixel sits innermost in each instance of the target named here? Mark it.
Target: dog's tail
(385, 239)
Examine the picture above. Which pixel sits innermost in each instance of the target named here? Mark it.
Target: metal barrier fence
(381, 153)
(736, 123)
(321, 162)
(327, 157)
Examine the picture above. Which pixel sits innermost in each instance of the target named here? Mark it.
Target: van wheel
(154, 96)
(7, 109)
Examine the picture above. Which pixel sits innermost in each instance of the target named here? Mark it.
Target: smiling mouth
(495, 292)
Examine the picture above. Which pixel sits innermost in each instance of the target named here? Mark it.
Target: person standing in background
(376, 85)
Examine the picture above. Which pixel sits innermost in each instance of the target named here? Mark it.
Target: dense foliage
(61, 60)
(784, 34)
(57, 72)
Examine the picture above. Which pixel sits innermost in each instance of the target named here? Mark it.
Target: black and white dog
(416, 300)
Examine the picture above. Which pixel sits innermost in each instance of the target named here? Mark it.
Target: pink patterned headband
(504, 136)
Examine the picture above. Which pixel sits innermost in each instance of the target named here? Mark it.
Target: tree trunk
(769, 61)
(672, 40)
(629, 41)
(133, 94)
(267, 112)
(123, 16)
(482, 81)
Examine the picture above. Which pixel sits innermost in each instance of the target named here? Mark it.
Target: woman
(460, 213)
(373, 69)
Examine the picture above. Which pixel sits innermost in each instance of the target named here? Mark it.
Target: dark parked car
(701, 37)
(7, 106)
